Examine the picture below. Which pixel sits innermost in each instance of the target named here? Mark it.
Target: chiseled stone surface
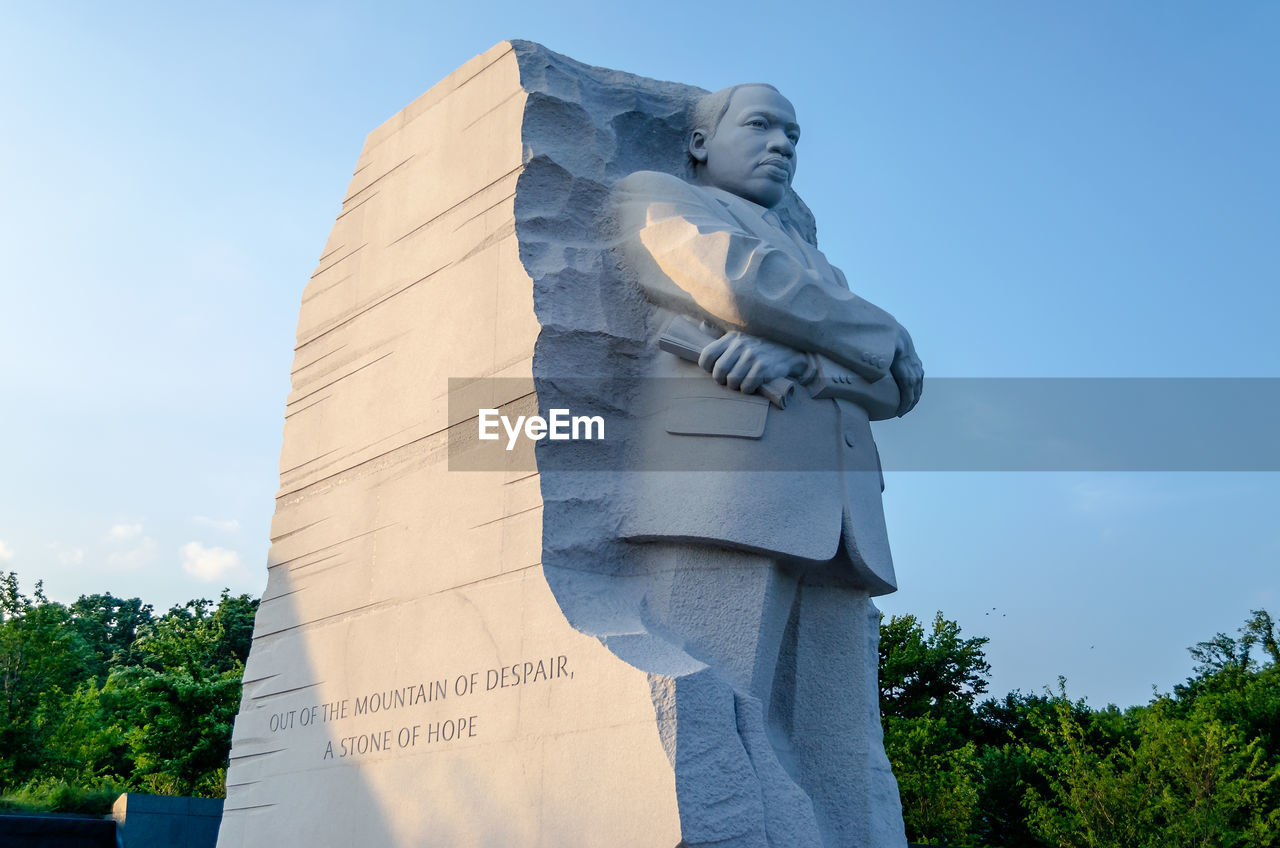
(413, 680)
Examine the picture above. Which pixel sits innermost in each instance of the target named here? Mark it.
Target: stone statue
(661, 636)
(761, 555)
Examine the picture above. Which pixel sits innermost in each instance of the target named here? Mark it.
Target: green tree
(110, 627)
(104, 694)
(200, 636)
(176, 726)
(84, 746)
(1007, 732)
(938, 780)
(42, 662)
(176, 707)
(1192, 782)
(1237, 680)
(936, 674)
(928, 682)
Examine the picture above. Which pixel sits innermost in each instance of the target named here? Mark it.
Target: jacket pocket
(742, 417)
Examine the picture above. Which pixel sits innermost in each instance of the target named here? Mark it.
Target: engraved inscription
(431, 700)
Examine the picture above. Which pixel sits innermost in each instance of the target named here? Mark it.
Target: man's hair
(709, 109)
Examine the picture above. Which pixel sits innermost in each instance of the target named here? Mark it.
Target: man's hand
(746, 363)
(907, 371)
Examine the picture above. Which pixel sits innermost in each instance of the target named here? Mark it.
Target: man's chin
(771, 191)
(772, 198)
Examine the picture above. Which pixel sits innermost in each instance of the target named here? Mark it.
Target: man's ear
(698, 146)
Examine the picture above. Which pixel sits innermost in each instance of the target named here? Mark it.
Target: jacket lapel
(752, 218)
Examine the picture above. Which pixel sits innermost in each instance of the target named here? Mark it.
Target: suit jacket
(791, 482)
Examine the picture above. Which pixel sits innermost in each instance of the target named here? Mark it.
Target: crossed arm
(745, 363)
(784, 319)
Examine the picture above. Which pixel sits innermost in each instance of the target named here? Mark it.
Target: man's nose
(779, 142)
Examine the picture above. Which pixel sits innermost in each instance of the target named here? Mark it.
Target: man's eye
(757, 122)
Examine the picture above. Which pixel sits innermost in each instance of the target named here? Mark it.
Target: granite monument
(661, 635)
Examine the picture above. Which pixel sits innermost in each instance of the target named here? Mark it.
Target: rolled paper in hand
(686, 340)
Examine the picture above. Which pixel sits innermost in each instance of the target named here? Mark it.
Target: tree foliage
(937, 673)
(105, 695)
(1172, 782)
(1197, 767)
(109, 627)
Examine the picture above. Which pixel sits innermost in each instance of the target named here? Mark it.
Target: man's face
(753, 151)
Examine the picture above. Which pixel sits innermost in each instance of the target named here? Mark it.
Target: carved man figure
(763, 549)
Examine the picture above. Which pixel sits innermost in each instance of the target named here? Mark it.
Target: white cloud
(229, 525)
(66, 554)
(6, 552)
(210, 564)
(124, 532)
(136, 557)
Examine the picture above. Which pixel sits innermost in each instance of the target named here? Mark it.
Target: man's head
(744, 141)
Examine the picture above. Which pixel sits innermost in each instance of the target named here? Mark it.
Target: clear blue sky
(1035, 189)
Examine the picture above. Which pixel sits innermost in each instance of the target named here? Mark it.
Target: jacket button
(848, 439)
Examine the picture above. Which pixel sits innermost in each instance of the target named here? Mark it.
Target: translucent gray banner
(978, 424)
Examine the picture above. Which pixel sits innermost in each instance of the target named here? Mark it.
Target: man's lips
(780, 167)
